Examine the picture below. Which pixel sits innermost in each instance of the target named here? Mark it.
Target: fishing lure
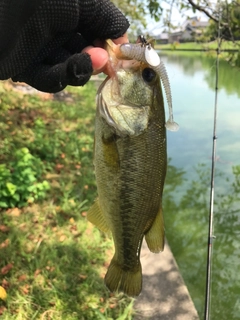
(151, 56)
(145, 52)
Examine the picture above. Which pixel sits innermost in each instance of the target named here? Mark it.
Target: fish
(130, 159)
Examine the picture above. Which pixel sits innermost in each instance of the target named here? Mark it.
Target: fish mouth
(117, 60)
(142, 53)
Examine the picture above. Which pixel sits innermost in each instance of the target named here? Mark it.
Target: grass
(52, 260)
(226, 45)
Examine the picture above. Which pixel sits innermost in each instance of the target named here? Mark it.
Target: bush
(20, 180)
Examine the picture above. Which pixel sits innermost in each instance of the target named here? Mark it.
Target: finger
(99, 58)
(75, 71)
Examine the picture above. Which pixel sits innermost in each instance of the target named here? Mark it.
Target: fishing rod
(211, 237)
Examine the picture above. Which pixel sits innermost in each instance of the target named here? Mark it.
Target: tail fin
(126, 281)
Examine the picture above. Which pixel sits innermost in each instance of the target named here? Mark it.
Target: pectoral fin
(155, 236)
(95, 216)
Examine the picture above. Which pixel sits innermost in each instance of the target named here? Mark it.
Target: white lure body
(151, 56)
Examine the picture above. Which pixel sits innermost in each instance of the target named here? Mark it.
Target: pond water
(186, 196)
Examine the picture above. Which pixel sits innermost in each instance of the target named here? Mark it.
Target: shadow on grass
(52, 262)
(55, 272)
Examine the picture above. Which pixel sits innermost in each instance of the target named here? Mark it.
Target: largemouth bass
(131, 160)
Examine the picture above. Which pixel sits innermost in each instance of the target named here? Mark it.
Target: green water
(186, 202)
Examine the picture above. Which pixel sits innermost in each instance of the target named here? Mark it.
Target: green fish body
(130, 166)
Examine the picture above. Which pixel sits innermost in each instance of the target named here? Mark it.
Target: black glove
(41, 40)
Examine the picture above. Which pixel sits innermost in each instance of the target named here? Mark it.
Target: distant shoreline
(208, 47)
(195, 50)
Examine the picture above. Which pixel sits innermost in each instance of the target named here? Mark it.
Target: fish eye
(148, 75)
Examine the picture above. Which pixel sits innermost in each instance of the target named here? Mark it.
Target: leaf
(4, 228)
(11, 188)
(71, 221)
(23, 277)
(2, 310)
(59, 166)
(37, 272)
(3, 293)
(25, 289)
(5, 244)
(5, 284)
(99, 313)
(15, 212)
(3, 204)
(62, 238)
(7, 268)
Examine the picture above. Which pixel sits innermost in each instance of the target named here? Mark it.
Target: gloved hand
(41, 40)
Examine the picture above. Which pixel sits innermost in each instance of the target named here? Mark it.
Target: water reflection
(186, 194)
(229, 77)
(192, 80)
(187, 230)
(188, 64)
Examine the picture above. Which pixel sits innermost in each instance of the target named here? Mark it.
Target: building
(162, 38)
(190, 30)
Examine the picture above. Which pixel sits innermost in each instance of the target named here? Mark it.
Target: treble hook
(141, 39)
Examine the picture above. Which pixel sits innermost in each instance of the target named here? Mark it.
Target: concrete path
(164, 295)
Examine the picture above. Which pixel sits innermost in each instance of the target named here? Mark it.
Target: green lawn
(200, 46)
(233, 58)
(53, 261)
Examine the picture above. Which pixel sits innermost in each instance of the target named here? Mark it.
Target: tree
(227, 16)
(223, 14)
(224, 21)
(136, 12)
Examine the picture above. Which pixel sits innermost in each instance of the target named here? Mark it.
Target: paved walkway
(164, 295)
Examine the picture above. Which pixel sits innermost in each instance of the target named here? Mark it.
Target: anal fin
(155, 235)
(96, 217)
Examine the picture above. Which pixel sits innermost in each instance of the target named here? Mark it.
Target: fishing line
(211, 207)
